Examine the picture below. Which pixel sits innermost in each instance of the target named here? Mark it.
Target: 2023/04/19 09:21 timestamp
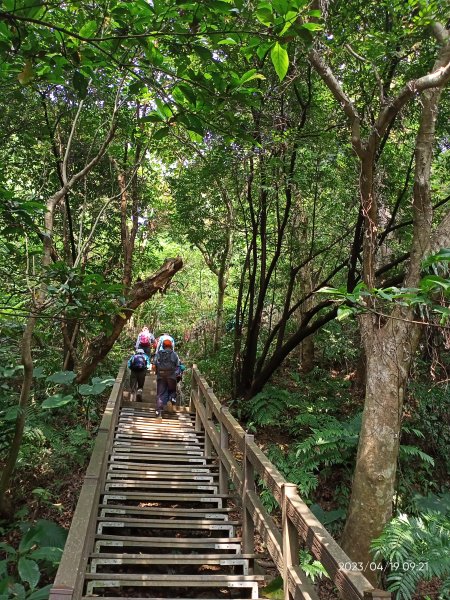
(406, 565)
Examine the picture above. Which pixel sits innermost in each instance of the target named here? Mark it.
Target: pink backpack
(144, 338)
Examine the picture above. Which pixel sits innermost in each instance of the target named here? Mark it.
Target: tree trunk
(388, 361)
(218, 327)
(307, 349)
(27, 362)
(389, 350)
(98, 348)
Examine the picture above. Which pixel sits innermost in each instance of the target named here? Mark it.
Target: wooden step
(227, 545)
(119, 466)
(136, 452)
(116, 561)
(166, 497)
(160, 476)
(98, 580)
(186, 513)
(186, 525)
(128, 484)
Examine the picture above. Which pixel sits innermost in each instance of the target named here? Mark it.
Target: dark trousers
(138, 376)
(166, 389)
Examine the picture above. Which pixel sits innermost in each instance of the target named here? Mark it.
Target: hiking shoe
(170, 406)
(139, 395)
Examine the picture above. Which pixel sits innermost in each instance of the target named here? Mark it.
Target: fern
(267, 407)
(312, 568)
(415, 549)
(332, 445)
(408, 451)
(288, 465)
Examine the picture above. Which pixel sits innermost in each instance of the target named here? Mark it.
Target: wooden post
(224, 444)
(208, 424)
(248, 527)
(291, 545)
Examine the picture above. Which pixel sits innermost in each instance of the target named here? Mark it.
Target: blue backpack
(138, 363)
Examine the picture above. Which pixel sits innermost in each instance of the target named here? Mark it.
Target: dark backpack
(138, 363)
(166, 360)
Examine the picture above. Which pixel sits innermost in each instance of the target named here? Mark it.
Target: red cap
(167, 344)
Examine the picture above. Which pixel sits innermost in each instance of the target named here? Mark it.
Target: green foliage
(312, 567)
(268, 406)
(415, 549)
(39, 552)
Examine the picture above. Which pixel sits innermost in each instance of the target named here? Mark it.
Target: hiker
(164, 336)
(145, 340)
(138, 365)
(166, 363)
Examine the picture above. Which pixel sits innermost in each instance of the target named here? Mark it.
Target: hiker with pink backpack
(145, 340)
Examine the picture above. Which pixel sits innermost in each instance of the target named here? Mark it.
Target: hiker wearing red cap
(167, 364)
(164, 336)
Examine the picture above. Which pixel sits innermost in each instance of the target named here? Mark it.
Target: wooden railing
(299, 525)
(69, 579)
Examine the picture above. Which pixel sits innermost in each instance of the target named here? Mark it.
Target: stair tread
(176, 557)
(193, 541)
(185, 579)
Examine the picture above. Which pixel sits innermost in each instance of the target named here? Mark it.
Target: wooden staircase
(163, 530)
(155, 520)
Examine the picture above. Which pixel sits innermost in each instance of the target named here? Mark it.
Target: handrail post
(291, 545)
(224, 445)
(194, 387)
(248, 527)
(208, 414)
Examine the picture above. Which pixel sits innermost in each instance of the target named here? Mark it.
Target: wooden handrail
(69, 578)
(296, 516)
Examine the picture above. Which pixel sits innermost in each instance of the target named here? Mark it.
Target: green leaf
(290, 19)
(228, 42)
(188, 93)
(7, 548)
(161, 133)
(153, 117)
(80, 83)
(47, 553)
(56, 401)
(249, 76)
(312, 26)
(38, 373)
(265, 16)
(29, 571)
(280, 60)
(344, 313)
(281, 6)
(41, 594)
(17, 591)
(88, 29)
(262, 50)
(43, 533)
(63, 377)
(327, 516)
(3, 568)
